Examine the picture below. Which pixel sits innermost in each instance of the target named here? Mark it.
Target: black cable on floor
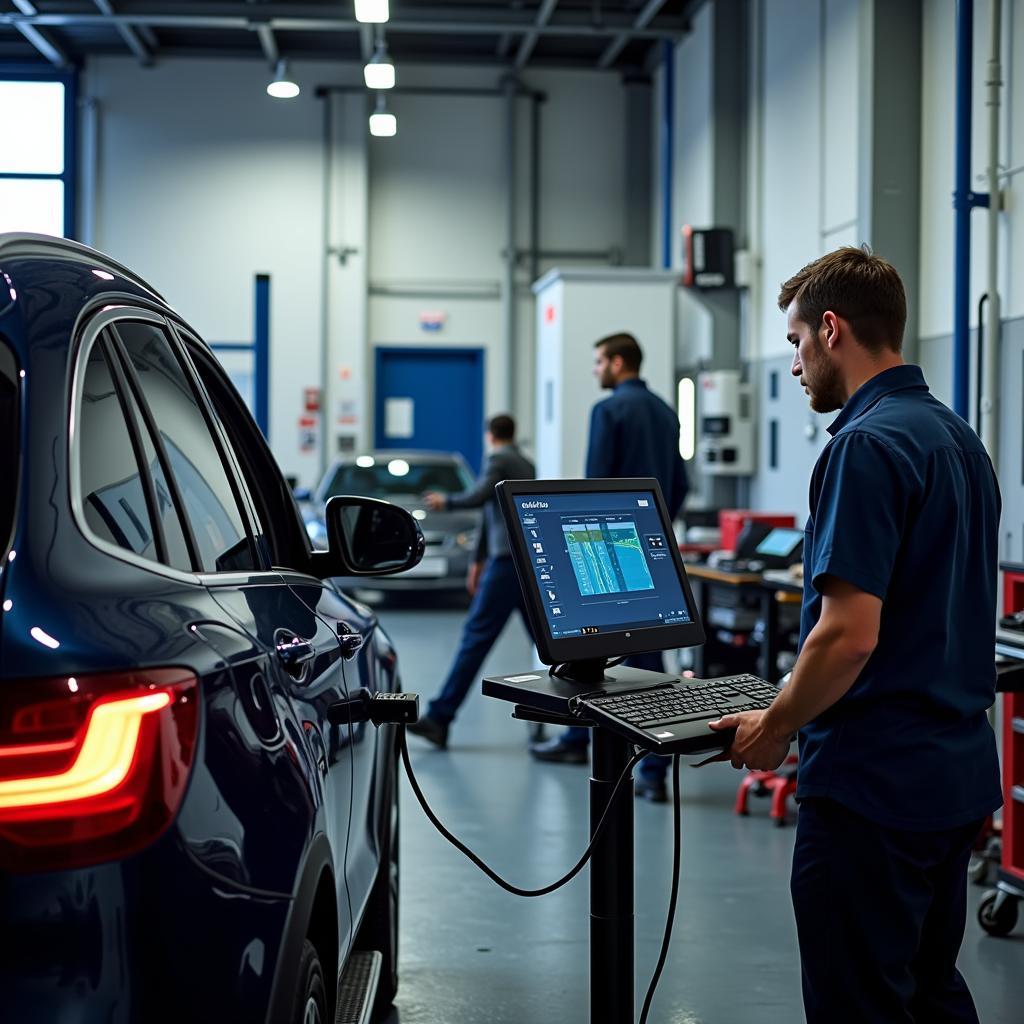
(514, 889)
(676, 859)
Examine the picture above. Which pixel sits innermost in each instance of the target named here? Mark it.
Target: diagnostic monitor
(781, 542)
(599, 568)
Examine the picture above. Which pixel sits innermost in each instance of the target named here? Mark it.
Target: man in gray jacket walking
(492, 578)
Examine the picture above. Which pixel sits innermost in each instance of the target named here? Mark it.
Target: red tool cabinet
(997, 912)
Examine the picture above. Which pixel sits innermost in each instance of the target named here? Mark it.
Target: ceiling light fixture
(383, 124)
(380, 72)
(372, 11)
(282, 87)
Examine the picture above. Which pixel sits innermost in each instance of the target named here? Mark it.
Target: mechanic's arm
(482, 492)
(833, 656)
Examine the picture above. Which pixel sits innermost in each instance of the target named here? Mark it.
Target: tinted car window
(281, 524)
(9, 443)
(113, 498)
(382, 481)
(174, 535)
(195, 462)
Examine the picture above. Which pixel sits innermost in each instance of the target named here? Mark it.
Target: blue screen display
(601, 562)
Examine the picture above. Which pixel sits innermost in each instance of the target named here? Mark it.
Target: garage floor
(474, 954)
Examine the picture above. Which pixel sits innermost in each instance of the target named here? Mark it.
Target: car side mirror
(369, 537)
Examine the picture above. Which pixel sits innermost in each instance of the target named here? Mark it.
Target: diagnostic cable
(402, 708)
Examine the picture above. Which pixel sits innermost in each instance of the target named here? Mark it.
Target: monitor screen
(598, 562)
(780, 542)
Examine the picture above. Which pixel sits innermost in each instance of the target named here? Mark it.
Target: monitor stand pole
(611, 886)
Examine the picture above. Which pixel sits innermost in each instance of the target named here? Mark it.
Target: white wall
(938, 135)
(201, 181)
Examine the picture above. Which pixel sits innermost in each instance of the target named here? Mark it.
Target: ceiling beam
(529, 41)
(131, 38)
(281, 17)
(619, 43)
(44, 43)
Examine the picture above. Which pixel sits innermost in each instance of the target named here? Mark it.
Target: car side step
(357, 987)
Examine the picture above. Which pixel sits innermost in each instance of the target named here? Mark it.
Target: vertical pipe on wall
(668, 117)
(326, 256)
(990, 389)
(962, 205)
(511, 88)
(534, 187)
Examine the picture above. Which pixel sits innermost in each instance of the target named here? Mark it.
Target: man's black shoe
(431, 730)
(558, 750)
(656, 792)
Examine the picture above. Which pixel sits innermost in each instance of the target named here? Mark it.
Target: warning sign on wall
(308, 433)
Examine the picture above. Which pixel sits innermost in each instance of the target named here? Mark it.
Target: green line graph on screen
(607, 558)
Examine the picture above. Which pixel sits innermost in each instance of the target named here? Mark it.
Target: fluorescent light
(687, 418)
(379, 73)
(282, 87)
(383, 125)
(398, 467)
(372, 11)
(366, 462)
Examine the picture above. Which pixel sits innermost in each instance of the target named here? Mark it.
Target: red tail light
(92, 767)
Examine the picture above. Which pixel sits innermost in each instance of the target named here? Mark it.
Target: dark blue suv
(184, 834)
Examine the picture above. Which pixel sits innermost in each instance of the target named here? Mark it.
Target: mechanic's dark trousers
(880, 913)
(653, 767)
(497, 597)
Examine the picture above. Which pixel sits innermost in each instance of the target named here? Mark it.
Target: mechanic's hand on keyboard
(752, 746)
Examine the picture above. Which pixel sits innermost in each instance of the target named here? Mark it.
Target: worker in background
(894, 677)
(632, 433)
(491, 581)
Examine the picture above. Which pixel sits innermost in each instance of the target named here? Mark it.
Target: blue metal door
(431, 399)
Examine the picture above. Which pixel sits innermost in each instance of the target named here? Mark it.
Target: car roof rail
(26, 243)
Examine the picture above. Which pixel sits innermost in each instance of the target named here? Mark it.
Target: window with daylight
(36, 153)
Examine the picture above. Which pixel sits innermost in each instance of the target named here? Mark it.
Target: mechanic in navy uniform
(491, 581)
(632, 433)
(895, 674)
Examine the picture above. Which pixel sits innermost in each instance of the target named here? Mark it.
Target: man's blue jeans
(497, 597)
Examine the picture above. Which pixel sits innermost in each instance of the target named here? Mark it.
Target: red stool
(781, 784)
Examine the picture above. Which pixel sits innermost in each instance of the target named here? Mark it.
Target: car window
(177, 554)
(283, 534)
(10, 443)
(394, 478)
(111, 488)
(222, 541)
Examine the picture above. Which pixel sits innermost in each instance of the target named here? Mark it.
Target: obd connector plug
(379, 708)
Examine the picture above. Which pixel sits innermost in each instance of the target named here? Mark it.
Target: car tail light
(92, 767)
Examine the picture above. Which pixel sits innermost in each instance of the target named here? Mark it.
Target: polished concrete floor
(474, 954)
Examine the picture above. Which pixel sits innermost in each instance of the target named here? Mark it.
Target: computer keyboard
(673, 717)
(700, 699)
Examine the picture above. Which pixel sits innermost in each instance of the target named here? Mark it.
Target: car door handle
(294, 653)
(351, 640)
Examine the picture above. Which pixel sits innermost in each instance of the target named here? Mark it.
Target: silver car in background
(402, 477)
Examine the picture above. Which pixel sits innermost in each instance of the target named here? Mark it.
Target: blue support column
(964, 201)
(261, 354)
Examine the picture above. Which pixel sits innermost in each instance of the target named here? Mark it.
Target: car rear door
(300, 613)
(278, 650)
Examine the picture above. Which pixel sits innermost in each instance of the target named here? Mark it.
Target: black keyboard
(668, 705)
(674, 716)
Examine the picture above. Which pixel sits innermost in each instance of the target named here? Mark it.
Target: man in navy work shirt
(632, 433)
(898, 766)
